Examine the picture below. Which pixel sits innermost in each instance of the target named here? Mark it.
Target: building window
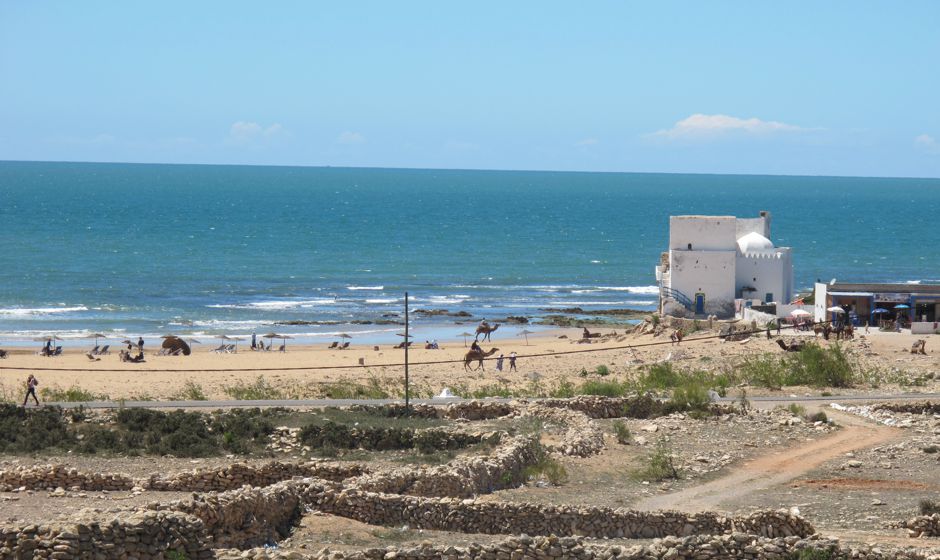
(690, 246)
(768, 297)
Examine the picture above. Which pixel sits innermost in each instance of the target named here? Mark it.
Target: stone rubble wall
(923, 526)
(915, 407)
(462, 477)
(250, 517)
(42, 477)
(138, 534)
(581, 437)
(471, 516)
(236, 475)
(724, 547)
(467, 410)
(241, 474)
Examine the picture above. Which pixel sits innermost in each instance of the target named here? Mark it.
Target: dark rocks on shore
(441, 312)
(626, 312)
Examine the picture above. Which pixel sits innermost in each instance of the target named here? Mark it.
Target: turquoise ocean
(133, 249)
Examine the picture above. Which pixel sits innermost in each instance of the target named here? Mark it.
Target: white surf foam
(32, 311)
(375, 288)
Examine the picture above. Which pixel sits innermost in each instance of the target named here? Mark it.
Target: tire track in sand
(779, 466)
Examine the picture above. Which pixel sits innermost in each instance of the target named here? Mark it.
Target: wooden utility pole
(407, 397)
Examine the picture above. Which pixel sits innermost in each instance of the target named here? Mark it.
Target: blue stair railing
(678, 296)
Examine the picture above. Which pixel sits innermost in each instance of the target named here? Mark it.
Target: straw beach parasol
(525, 333)
(465, 334)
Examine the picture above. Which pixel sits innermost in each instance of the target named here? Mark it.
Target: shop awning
(853, 294)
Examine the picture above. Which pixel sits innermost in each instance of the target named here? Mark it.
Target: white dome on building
(754, 243)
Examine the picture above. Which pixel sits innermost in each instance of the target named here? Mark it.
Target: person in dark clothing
(140, 344)
(31, 383)
(512, 361)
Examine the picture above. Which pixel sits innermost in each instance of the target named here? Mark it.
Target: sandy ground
(542, 359)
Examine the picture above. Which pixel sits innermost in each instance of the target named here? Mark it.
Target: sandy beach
(544, 360)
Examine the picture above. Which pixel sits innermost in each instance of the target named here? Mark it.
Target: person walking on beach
(31, 383)
(140, 344)
(512, 361)
(499, 363)
(254, 341)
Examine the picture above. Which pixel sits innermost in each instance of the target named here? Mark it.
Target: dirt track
(778, 467)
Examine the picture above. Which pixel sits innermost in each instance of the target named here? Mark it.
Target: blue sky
(821, 88)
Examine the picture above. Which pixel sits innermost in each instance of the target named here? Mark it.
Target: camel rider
(484, 324)
(475, 347)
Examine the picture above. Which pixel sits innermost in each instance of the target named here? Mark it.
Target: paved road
(348, 402)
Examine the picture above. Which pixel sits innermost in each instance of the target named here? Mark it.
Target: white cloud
(349, 137)
(927, 143)
(244, 132)
(704, 126)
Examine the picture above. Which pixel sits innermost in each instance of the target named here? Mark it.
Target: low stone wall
(241, 474)
(468, 410)
(236, 475)
(923, 526)
(248, 516)
(581, 438)
(915, 407)
(462, 477)
(138, 534)
(43, 477)
(724, 547)
(470, 516)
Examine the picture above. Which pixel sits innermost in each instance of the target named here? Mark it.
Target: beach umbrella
(193, 341)
(344, 335)
(902, 306)
(174, 343)
(403, 334)
(799, 313)
(465, 334)
(835, 309)
(283, 337)
(879, 310)
(236, 339)
(96, 336)
(526, 334)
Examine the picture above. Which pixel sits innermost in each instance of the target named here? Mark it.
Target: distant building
(717, 264)
(874, 303)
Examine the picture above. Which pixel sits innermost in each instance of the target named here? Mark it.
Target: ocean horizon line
(476, 169)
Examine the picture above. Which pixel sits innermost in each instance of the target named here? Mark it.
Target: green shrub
(796, 410)
(930, 449)
(259, 390)
(763, 371)
(928, 507)
(192, 391)
(820, 367)
(548, 468)
(818, 417)
(623, 432)
(690, 396)
(660, 376)
(563, 390)
(659, 466)
(28, 430)
(72, 394)
(350, 390)
(602, 388)
(601, 371)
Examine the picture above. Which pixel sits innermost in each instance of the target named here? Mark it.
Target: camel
(478, 356)
(793, 346)
(486, 331)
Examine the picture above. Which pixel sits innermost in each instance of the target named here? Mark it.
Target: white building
(715, 264)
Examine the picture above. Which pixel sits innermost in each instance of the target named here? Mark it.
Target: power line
(402, 364)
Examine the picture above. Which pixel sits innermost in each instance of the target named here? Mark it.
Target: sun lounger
(93, 351)
(104, 350)
(220, 349)
(92, 357)
(344, 346)
(282, 348)
(58, 351)
(334, 345)
(3, 354)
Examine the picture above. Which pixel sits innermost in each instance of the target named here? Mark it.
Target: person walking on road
(31, 383)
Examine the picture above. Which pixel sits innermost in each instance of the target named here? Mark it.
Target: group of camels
(475, 355)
